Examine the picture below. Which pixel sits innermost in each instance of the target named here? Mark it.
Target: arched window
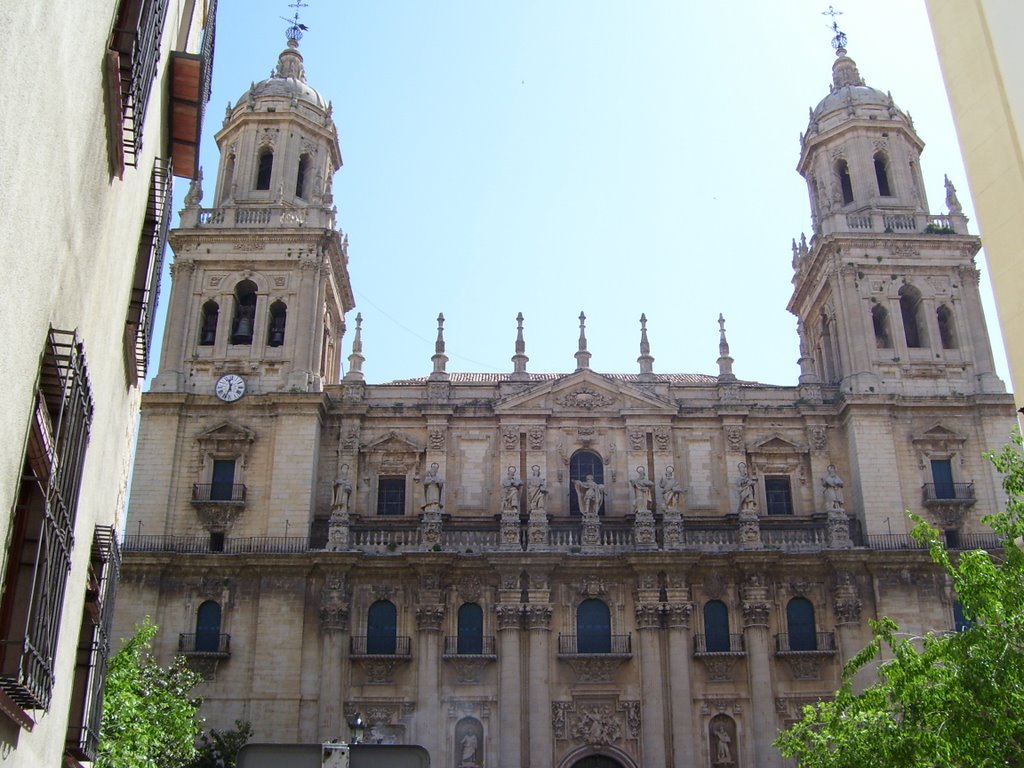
(382, 628)
(880, 322)
(716, 627)
(208, 323)
(845, 183)
(910, 309)
(265, 167)
(593, 627)
(800, 623)
(882, 174)
(947, 331)
(278, 316)
(471, 629)
(245, 312)
(300, 177)
(208, 627)
(582, 464)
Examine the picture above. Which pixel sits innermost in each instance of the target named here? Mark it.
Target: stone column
(648, 623)
(538, 618)
(428, 710)
(684, 755)
(847, 609)
(756, 610)
(334, 628)
(509, 691)
(172, 360)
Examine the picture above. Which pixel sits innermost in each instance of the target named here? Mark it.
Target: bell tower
(260, 279)
(886, 292)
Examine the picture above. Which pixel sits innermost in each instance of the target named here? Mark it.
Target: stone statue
(470, 745)
(194, 196)
(536, 490)
(642, 489)
(590, 495)
(833, 490)
(723, 755)
(342, 491)
(952, 202)
(510, 491)
(670, 488)
(433, 485)
(745, 487)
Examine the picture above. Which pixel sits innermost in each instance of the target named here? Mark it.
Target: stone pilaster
(509, 686)
(677, 616)
(334, 629)
(648, 624)
(756, 613)
(847, 606)
(538, 619)
(428, 633)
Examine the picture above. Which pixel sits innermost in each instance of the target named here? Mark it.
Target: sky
(553, 156)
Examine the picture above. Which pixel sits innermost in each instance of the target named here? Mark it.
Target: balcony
(456, 647)
(819, 644)
(266, 216)
(735, 647)
(595, 658)
(398, 647)
(218, 493)
(205, 645)
(889, 221)
(936, 494)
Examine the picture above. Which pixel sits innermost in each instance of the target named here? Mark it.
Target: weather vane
(294, 32)
(839, 41)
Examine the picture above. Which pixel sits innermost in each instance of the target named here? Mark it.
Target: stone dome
(851, 97)
(286, 82)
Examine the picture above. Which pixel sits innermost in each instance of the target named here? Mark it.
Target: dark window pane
(778, 496)
(800, 621)
(716, 626)
(593, 627)
(391, 496)
(471, 629)
(382, 628)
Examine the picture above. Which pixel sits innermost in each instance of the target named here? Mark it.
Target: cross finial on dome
(839, 41)
(296, 28)
(519, 359)
(582, 355)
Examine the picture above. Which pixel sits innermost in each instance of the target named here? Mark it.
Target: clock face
(230, 387)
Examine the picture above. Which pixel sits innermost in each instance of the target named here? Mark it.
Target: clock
(230, 387)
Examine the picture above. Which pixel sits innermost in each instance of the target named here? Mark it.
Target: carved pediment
(938, 440)
(776, 444)
(585, 392)
(394, 442)
(226, 439)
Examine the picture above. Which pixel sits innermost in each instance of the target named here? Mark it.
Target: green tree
(149, 715)
(948, 699)
(219, 749)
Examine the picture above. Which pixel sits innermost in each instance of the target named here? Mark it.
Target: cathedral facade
(577, 569)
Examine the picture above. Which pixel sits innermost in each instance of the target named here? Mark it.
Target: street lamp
(358, 727)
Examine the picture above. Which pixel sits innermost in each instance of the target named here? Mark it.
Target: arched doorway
(597, 761)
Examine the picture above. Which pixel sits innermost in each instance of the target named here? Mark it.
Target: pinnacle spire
(645, 359)
(519, 359)
(356, 359)
(724, 360)
(582, 355)
(440, 359)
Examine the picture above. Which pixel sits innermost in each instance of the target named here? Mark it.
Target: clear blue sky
(548, 157)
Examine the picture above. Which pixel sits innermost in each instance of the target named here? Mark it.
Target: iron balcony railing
(469, 646)
(396, 645)
(953, 540)
(204, 644)
(819, 642)
(702, 647)
(586, 645)
(233, 493)
(943, 493)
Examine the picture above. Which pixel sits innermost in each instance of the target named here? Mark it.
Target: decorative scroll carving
(637, 440)
(334, 606)
(847, 600)
(470, 588)
(535, 438)
(648, 616)
(662, 439)
(435, 439)
(719, 668)
(805, 667)
(756, 605)
(510, 438)
(508, 616)
(584, 398)
(678, 615)
(734, 439)
(595, 669)
(538, 616)
(429, 618)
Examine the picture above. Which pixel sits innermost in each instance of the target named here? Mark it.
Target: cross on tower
(839, 41)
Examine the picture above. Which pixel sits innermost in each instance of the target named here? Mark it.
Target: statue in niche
(723, 754)
(433, 485)
(342, 491)
(470, 745)
(511, 487)
(642, 489)
(745, 487)
(536, 490)
(590, 495)
(833, 490)
(670, 488)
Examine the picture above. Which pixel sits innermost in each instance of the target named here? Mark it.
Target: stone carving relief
(535, 437)
(734, 439)
(334, 605)
(592, 586)
(435, 439)
(662, 439)
(596, 722)
(584, 398)
(722, 738)
(471, 589)
(637, 440)
(510, 438)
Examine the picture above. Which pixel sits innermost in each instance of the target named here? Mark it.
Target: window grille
(149, 264)
(43, 523)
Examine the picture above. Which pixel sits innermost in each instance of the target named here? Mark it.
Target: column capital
(538, 617)
(508, 615)
(756, 605)
(678, 615)
(648, 616)
(429, 618)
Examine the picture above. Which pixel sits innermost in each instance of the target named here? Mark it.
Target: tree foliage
(149, 716)
(219, 749)
(948, 699)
